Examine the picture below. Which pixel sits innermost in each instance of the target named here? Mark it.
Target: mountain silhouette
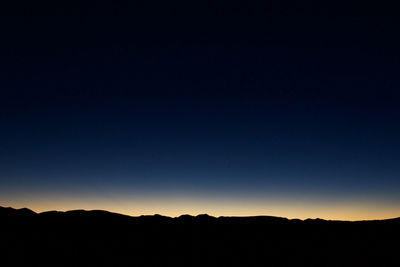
(102, 238)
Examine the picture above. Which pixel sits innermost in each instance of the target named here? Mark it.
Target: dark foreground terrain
(100, 238)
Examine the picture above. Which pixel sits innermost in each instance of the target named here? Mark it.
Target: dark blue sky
(229, 109)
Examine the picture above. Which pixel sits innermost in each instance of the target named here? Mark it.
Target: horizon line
(192, 215)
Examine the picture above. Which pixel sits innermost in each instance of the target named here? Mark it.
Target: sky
(229, 109)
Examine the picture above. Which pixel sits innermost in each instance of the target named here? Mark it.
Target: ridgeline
(101, 238)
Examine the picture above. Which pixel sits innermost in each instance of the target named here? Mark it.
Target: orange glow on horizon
(174, 207)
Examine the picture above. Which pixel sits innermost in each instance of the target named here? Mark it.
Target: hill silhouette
(101, 238)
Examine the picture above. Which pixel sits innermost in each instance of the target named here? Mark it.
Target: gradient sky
(232, 109)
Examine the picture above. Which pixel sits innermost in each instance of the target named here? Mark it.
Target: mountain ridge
(101, 238)
(27, 211)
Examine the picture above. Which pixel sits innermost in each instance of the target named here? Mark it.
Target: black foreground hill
(101, 238)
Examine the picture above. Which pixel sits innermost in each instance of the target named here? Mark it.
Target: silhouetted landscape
(93, 238)
(278, 108)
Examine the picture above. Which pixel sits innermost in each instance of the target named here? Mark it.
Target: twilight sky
(234, 109)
